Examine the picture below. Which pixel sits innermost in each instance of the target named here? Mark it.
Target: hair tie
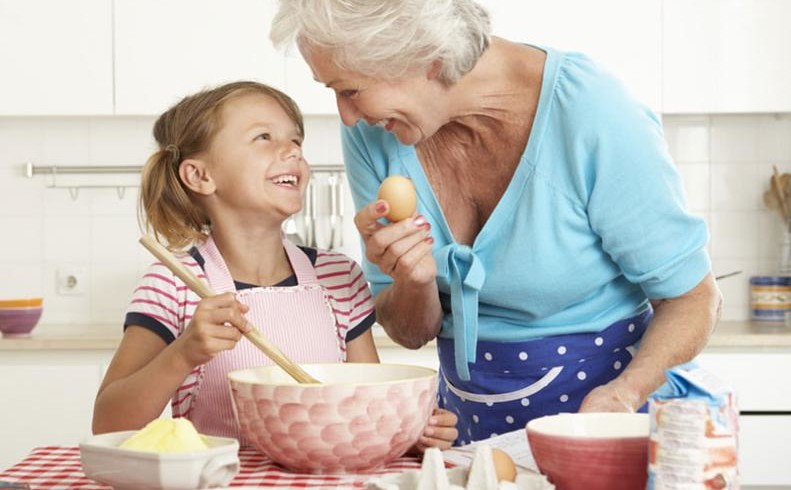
(174, 150)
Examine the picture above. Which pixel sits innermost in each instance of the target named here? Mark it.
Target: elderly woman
(552, 255)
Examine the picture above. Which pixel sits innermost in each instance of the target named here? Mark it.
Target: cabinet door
(45, 405)
(727, 57)
(56, 57)
(313, 97)
(165, 50)
(622, 35)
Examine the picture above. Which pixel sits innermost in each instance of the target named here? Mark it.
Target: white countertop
(729, 335)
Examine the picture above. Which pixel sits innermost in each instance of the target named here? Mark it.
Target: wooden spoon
(203, 290)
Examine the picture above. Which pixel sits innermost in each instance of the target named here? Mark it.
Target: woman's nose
(347, 110)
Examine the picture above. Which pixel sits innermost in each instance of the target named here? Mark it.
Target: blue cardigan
(592, 224)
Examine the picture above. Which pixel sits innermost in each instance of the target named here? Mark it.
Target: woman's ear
(195, 175)
(434, 69)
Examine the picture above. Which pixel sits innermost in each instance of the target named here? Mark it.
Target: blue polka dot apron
(512, 383)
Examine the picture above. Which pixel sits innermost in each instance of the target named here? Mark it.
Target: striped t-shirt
(163, 304)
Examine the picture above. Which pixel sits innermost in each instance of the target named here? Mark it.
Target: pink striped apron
(299, 320)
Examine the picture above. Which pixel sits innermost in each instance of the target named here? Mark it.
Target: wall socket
(71, 281)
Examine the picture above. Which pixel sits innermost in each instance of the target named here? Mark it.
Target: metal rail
(31, 169)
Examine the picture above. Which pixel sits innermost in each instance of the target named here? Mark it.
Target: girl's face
(409, 107)
(255, 160)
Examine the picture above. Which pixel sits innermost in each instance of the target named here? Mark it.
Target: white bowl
(105, 462)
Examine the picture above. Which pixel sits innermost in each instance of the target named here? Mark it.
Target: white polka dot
(487, 356)
(561, 350)
(523, 356)
(581, 375)
(509, 419)
(617, 349)
(463, 443)
(616, 365)
(543, 369)
(444, 401)
(598, 341)
(525, 402)
(507, 371)
(494, 434)
(631, 327)
(582, 360)
(489, 404)
(564, 398)
(475, 418)
(469, 432)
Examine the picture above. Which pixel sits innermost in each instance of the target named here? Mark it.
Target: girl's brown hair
(184, 131)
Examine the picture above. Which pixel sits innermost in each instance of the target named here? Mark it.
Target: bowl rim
(233, 376)
(530, 427)
(107, 443)
(22, 303)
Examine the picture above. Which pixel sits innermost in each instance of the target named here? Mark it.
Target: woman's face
(256, 158)
(409, 107)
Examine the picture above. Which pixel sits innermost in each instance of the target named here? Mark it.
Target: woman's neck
(253, 255)
(496, 92)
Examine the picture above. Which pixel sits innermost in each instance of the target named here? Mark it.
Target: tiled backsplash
(725, 162)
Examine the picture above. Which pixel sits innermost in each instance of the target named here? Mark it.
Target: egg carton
(482, 475)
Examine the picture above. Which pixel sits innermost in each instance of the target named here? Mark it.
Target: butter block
(166, 436)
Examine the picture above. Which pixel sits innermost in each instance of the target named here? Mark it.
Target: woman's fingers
(401, 250)
(367, 220)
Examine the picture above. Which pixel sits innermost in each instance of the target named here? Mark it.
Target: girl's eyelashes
(297, 142)
(348, 94)
(263, 136)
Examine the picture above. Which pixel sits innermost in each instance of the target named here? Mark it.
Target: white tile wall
(725, 162)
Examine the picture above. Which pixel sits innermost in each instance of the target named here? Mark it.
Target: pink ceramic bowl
(361, 417)
(17, 319)
(592, 451)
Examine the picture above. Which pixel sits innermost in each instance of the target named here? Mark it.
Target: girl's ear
(195, 175)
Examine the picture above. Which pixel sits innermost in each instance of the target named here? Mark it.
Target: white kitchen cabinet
(165, 50)
(56, 57)
(726, 56)
(622, 35)
(47, 400)
(313, 97)
(760, 380)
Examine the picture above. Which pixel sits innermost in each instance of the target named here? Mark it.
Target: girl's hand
(217, 325)
(401, 250)
(440, 432)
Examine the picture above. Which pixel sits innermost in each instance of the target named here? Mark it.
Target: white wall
(725, 161)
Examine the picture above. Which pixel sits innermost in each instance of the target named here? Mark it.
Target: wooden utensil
(778, 190)
(203, 290)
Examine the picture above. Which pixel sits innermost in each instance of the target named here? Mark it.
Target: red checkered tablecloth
(56, 467)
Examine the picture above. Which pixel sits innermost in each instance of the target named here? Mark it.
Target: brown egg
(399, 192)
(504, 466)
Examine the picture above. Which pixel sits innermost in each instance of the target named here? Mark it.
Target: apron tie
(465, 273)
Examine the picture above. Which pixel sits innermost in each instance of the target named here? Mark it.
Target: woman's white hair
(388, 38)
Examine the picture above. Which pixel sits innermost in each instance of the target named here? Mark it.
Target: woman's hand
(401, 250)
(217, 325)
(615, 396)
(440, 432)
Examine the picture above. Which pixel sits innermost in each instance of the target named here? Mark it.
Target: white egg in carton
(482, 475)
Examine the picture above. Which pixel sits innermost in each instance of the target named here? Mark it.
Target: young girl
(229, 171)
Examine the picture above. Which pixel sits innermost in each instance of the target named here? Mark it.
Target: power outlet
(71, 281)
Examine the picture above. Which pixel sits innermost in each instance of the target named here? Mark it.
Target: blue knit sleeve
(366, 167)
(632, 190)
